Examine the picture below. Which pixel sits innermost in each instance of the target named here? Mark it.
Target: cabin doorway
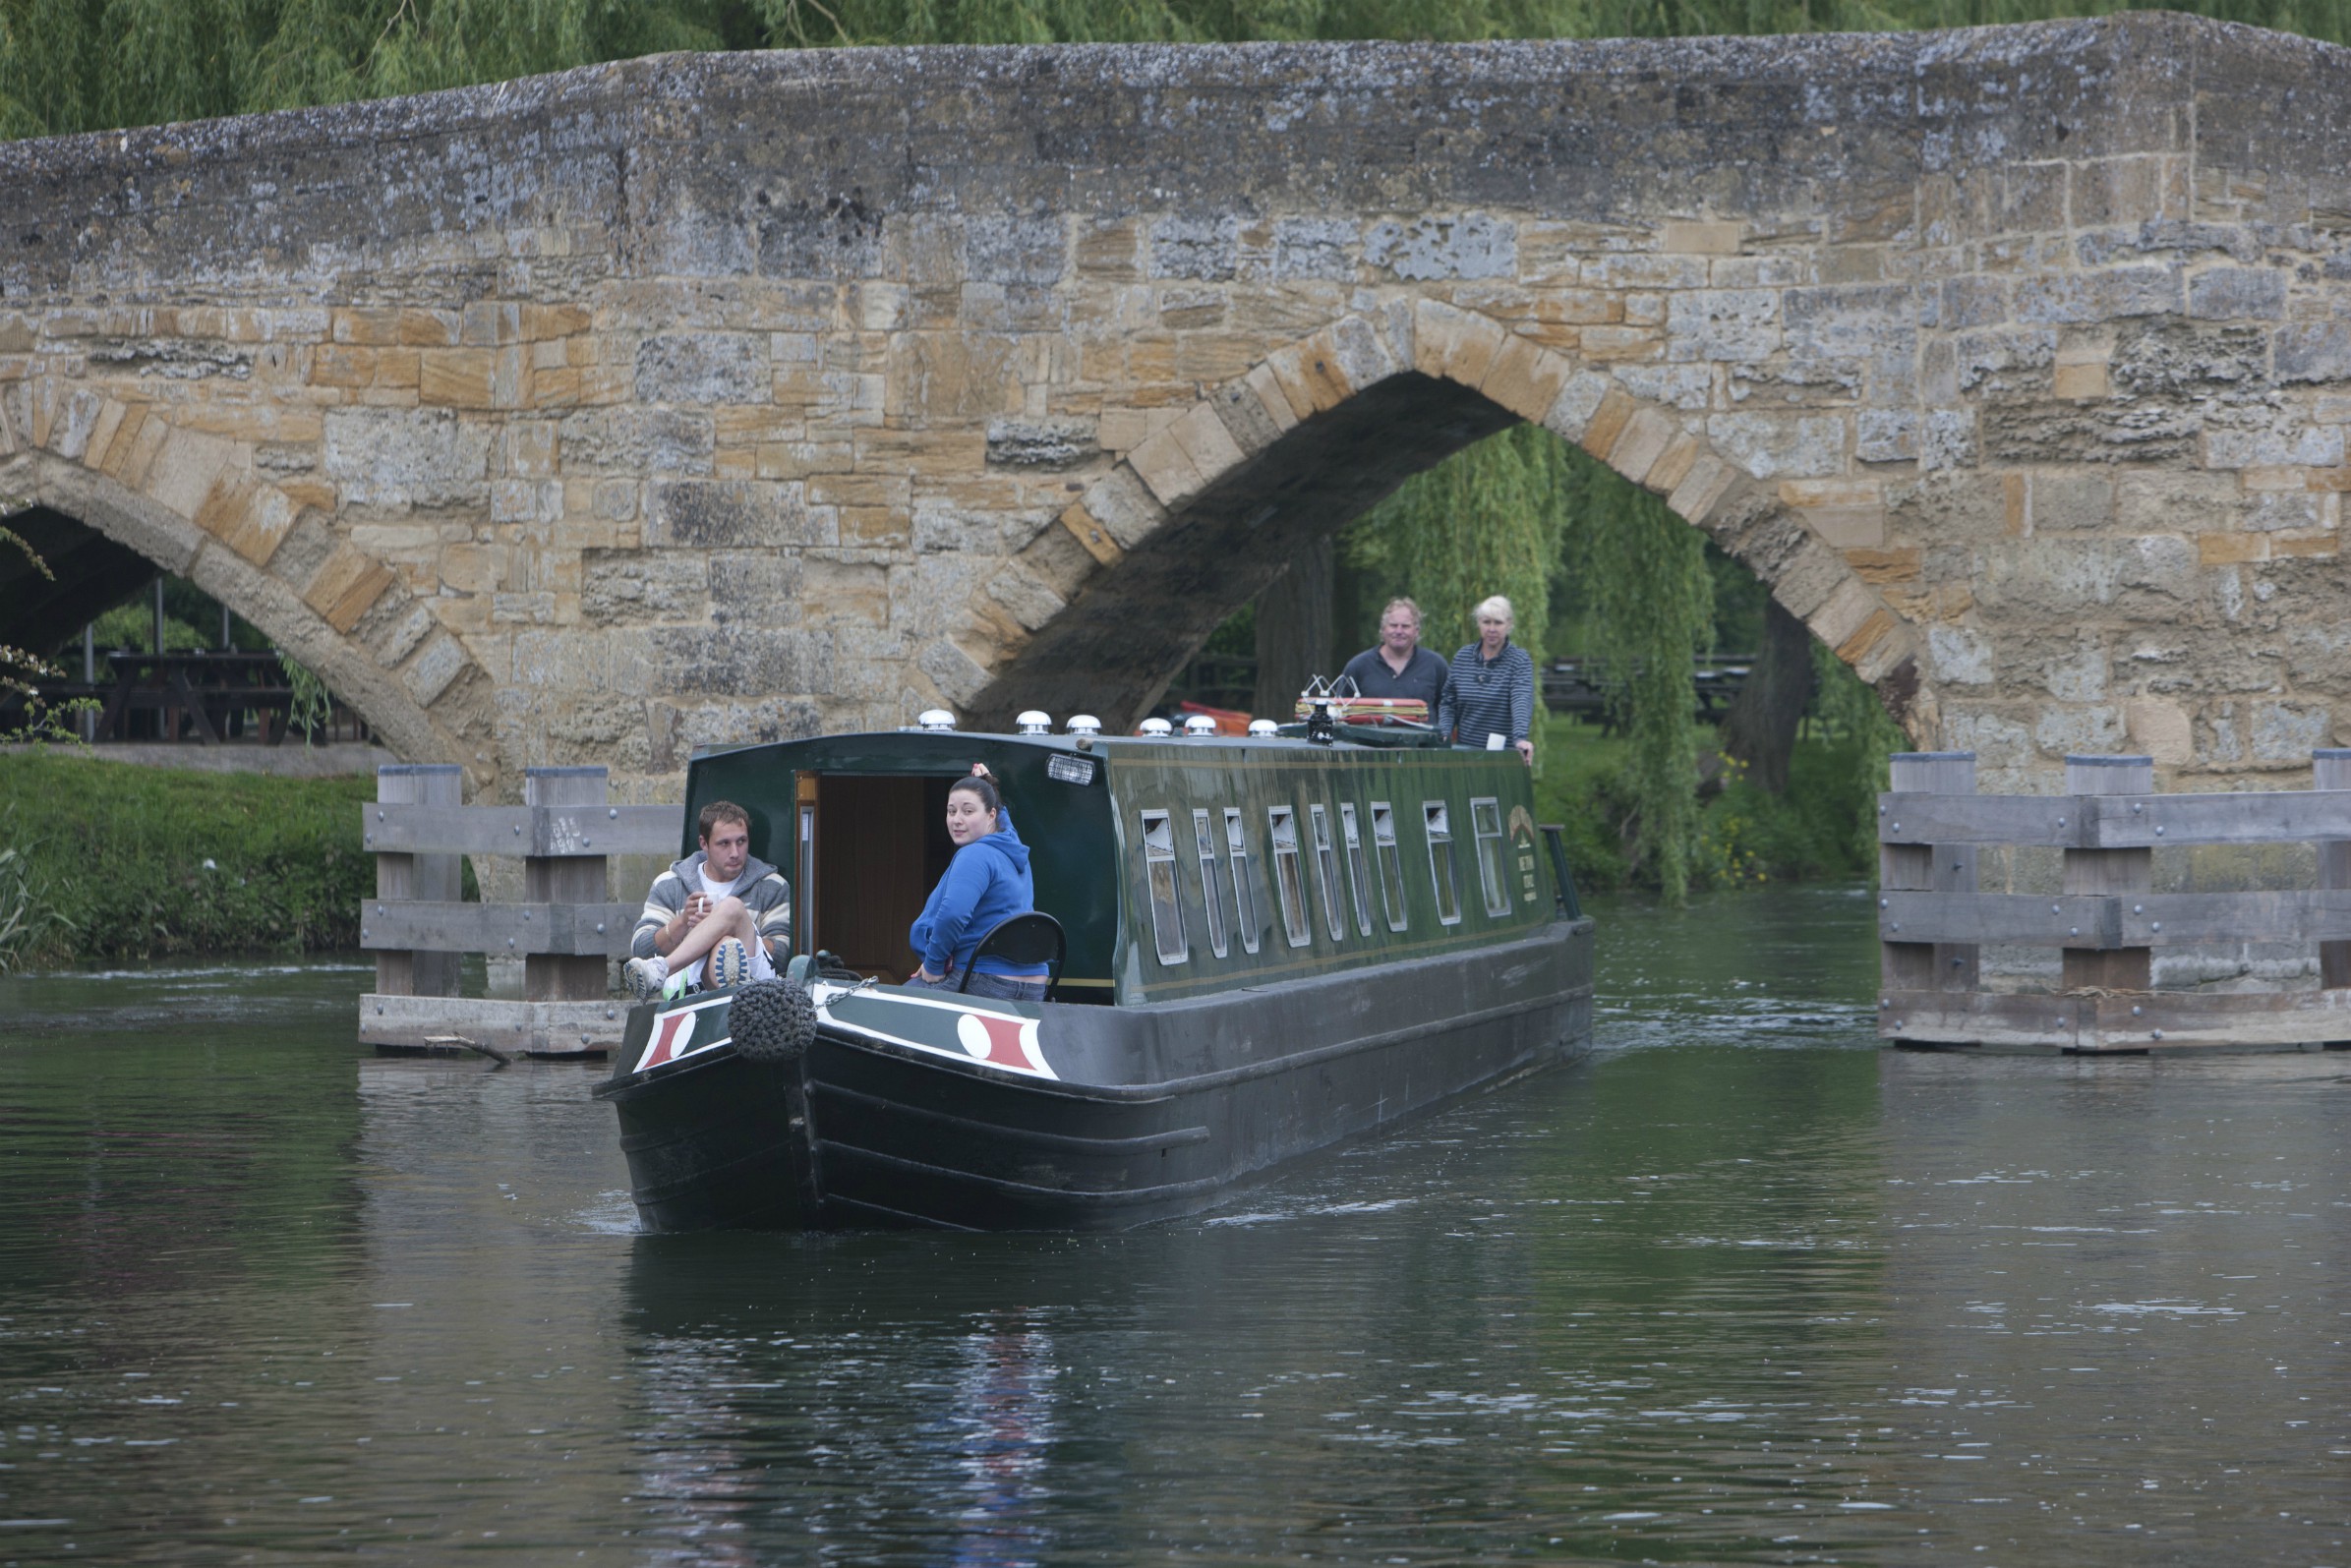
(872, 846)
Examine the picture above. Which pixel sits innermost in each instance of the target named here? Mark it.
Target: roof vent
(1199, 726)
(1157, 727)
(1264, 728)
(1035, 722)
(935, 718)
(1085, 724)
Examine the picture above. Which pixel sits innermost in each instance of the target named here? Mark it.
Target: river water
(1740, 1288)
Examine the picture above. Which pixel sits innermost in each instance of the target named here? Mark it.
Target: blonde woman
(1488, 702)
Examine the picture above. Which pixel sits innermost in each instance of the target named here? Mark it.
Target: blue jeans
(999, 987)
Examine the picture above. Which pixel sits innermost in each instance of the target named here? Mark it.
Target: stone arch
(1097, 612)
(201, 506)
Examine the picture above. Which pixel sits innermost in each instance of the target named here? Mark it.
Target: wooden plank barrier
(565, 931)
(2107, 920)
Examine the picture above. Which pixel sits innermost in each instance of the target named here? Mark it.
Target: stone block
(1702, 489)
(1524, 377)
(433, 669)
(457, 377)
(1207, 442)
(1843, 614)
(184, 469)
(255, 521)
(2237, 293)
(2159, 730)
(1606, 423)
(1470, 245)
(703, 367)
(2083, 383)
(1124, 506)
(1092, 535)
(1048, 444)
(740, 660)
(1310, 375)
(1780, 445)
(397, 456)
(2313, 351)
(1578, 403)
(2099, 294)
(1454, 344)
(639, 442)
(1317, 248)
(1194, 247)
(346, 586)
(1722, 325)
(732, 514)
(1701, 238)
(640, 586)
(1959, 656)
(1165, 466)
(1642, 441)
(1885, 435)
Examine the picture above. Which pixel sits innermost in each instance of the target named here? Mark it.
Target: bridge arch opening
(342, 617)
(1104, 609)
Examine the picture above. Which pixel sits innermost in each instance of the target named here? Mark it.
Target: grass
(116, 861)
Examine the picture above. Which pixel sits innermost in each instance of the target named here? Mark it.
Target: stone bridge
(704, 399)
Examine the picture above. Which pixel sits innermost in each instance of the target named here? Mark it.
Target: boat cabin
(1176, 867)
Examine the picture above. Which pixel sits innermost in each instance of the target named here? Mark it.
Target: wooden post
(564, 878)
(1928, 868)
(2109, 871)
(2330, 769)
(436, 876)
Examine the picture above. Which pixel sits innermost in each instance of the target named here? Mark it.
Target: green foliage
(27, 915)
(312, 704)
(1650, 602)
(84, 65)
(143, 861)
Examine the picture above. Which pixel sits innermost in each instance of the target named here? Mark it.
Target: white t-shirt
(762, 968)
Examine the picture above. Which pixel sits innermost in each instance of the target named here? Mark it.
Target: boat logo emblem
(1000, 1041)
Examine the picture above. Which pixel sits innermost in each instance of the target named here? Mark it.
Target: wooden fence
(2106, 917)
(564, 930)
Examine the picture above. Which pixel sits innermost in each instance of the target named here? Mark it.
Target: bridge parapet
(699, 400)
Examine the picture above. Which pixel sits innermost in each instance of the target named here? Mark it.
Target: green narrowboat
(1272, 943)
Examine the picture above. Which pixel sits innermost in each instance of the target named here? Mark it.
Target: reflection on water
(1741, 1288)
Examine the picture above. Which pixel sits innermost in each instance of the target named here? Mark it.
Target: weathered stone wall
(705, 399)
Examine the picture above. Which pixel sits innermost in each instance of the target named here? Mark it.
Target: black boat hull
(1149, 1112)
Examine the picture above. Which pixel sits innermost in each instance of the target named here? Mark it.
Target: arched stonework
(198, 505)
(707, 400)
(1088, 628)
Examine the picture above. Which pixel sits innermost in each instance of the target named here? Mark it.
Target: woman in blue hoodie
(986, 882)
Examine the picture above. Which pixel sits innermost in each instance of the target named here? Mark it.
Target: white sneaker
(644, 976)
(730, 965)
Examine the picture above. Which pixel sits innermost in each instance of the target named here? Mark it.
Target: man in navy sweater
(1399, 666)
(1488, 701)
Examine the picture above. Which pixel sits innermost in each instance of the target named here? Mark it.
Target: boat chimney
(1263, 730)
(1200, 726)
(1085, 724)
(1157, 728)
(1035, 721)
(935, 718)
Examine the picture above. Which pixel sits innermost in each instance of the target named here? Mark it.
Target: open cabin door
(871, 847)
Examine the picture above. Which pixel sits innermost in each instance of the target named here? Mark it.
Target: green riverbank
(102, 861)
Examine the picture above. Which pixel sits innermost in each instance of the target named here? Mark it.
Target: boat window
(1211, 880)
(1326, 872)
(1441, 862)
(1160, 864)
(1392, 864)
(1485, 824)
(1359, 876)
(1289, 884)
(1244, 893)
